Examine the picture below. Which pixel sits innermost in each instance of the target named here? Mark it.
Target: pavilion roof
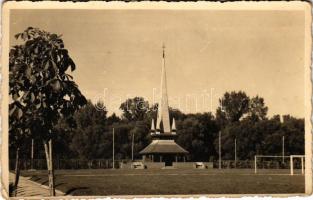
(163, 146)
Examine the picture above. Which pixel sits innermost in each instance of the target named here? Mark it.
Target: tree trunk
(48, 152)
(52, 189)
(17, 171)
(48, 160)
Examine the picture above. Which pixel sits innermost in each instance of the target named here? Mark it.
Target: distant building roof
(163, 146)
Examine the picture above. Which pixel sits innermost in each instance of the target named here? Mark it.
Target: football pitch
(172, 181)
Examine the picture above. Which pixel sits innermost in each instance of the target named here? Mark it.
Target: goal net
(291, 162)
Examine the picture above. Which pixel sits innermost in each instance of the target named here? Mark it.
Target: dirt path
(28, 188)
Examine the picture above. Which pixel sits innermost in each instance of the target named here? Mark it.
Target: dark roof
(163, 146)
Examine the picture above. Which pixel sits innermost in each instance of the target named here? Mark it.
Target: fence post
(255, 166)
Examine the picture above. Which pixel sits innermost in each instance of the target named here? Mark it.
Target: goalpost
(292, 157)
(302, 163)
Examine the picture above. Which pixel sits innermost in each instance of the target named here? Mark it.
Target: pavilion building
(163, 147)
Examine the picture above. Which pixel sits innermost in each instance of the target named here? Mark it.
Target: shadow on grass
(75, 189)
(59, 184)
(43, 183)
(35, 178)
(11, 189)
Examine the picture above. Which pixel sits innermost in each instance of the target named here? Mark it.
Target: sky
(118, 54)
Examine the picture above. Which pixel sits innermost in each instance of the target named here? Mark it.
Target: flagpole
(113, 150)
(235, 152)
(219, 151)
(32, 155)
(283, 149)
(133, 147)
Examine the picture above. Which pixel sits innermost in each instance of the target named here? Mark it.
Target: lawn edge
(57, 191)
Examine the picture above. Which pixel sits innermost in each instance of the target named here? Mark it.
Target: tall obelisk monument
(163, 112)
(163, 147)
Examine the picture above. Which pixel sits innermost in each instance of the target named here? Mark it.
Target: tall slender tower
(163, 147)
(163, 113)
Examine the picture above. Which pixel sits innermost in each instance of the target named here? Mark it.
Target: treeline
(47, 107)
(88, 134)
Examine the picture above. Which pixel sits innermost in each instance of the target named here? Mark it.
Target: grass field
(172, 181)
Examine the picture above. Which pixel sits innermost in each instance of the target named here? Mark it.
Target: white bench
(200, 165)
(137, 165)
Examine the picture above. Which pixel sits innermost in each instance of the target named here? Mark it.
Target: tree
(245, 135)
(190, 137)
(41, 90)
(134, 109)
(61, 141)
(89, 133)
(257, 108)
(113, 119)
(233, 106)
(293, 130)
(18, 140)
(122, 140)
(209, 131)
(176, 113)
(141, 132)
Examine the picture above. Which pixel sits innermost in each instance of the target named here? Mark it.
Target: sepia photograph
(156, 99)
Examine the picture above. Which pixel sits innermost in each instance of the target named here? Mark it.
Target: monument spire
(173, 127)
(163, 113)
(163, 47)
(152, 127)
(163, 144)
